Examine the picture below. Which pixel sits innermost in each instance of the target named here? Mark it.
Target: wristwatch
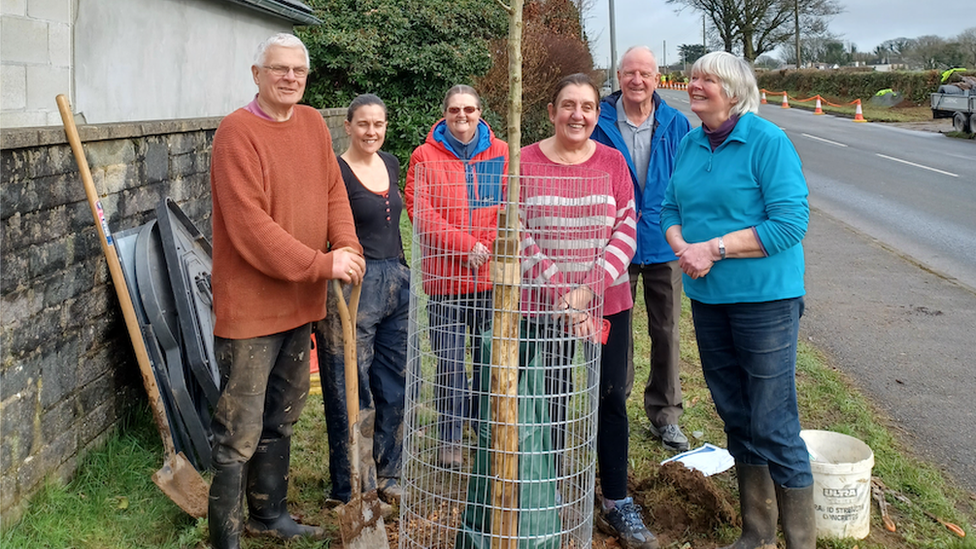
(721, 248)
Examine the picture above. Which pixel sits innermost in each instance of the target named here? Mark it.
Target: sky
(866, 23)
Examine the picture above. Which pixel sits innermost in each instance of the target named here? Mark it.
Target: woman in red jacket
(455, 186)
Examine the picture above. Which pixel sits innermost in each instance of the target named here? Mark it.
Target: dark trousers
(748, 356)
(451, 319)
(613, 428)
(381, 341)
(662, 299)
(265, 381)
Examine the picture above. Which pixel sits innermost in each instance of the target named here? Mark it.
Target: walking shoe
(671, 436)
(624, 522)
(390, 491)
(450, 456)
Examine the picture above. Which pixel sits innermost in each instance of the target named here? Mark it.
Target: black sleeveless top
(377, 215)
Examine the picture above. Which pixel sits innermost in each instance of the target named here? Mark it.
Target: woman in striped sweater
(578, 238)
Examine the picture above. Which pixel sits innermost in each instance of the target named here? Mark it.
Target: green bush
(851, 84)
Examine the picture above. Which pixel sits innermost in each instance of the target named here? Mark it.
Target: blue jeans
(381, 348)
(451, 318)
(748, 356)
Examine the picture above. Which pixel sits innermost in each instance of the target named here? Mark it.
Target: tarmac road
(891, 273)
(903, 333)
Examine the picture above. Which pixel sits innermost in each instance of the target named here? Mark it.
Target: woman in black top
(371, 178)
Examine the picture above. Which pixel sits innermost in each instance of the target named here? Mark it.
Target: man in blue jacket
(638, 123)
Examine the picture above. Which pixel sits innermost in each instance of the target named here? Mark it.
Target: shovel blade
(361, 524)
(183, 484)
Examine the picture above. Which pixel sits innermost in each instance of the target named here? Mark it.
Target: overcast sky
(866, 23)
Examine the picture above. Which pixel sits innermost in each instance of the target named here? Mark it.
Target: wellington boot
(797, 516)
(757, 502)
(267, 491)
(225, 510)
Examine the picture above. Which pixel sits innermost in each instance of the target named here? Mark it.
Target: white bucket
(841, 467)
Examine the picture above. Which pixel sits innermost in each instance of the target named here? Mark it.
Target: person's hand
(579, 298)
(348, 266)
(584, 325)
(696, 260)
(478, 255)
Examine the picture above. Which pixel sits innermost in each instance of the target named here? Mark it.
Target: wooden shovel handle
(347, 315)
(118, 278)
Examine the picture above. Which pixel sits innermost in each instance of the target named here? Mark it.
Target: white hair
(284, 40)
(737, 78)
(620, 63)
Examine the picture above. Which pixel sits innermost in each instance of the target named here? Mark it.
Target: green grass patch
(112, 502)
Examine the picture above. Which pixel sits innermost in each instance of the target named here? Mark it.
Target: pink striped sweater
(578, 228)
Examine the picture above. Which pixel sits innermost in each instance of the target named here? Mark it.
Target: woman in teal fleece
(734, 213)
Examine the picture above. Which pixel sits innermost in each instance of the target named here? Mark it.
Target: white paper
(709, 459)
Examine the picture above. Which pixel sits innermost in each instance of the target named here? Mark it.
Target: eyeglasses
(282, 70)
(467, 110)
(643, 74)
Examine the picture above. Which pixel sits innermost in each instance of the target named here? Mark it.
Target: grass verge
(112, 503)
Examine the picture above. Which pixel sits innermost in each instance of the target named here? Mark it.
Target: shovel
(177, 478)
(360, 521)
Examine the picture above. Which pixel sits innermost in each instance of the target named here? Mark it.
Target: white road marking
(822, 139)
(916, 165)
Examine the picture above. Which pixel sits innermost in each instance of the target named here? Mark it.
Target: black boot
(267, 491)
(757, 503)
(797, 516)
(226, 507)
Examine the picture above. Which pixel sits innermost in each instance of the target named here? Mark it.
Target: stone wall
(68, 371)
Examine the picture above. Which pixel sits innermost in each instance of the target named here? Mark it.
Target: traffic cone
(763, 98)
(858, 115)
(818, 110)
(786, 103)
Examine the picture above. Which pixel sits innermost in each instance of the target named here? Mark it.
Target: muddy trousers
(264, 382)
(381, 350)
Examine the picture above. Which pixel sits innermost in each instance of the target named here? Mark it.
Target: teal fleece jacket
(752, 180)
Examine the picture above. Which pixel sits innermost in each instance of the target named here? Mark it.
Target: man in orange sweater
(282, 228)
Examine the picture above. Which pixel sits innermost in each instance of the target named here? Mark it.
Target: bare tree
(760, 26)
(967, 42)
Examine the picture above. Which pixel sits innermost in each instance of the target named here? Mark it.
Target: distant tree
(407, 52)
(690, 53)
(935, 52)
(767, 62)
(760, 26)
(552, 47)
(967, 43)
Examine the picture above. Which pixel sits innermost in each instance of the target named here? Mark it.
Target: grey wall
(128, 60)
(67, 370)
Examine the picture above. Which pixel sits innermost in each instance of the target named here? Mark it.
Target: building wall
(128, 60)
(67, 370)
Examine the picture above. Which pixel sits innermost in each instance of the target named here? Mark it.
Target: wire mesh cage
(503, 360)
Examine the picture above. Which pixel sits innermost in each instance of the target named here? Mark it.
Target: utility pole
(613, 50)
(796, 23)
(665, 54)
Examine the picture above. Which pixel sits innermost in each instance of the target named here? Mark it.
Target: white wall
(163, 59)
(35, 48)
(128, 60)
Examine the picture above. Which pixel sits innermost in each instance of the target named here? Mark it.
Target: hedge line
(915, 86)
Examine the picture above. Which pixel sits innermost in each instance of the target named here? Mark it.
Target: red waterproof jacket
(453, 205)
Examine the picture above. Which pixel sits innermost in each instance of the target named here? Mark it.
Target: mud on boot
(225, 506)
(267, 491)
(797, 517)
(757, 505)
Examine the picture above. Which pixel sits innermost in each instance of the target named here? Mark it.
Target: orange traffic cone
(762, 99)
(818, 110)
(786, 103)
(858, 115)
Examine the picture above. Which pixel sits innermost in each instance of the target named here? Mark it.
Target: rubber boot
(757, 503)
(267, 492)
(797, 517)
(225, 509)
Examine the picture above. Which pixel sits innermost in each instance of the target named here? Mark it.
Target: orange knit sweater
(278, 203)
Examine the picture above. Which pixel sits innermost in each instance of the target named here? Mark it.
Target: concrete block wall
(37, 46)
(67, 370)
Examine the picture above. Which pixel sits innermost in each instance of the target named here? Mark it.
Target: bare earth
(942, 125)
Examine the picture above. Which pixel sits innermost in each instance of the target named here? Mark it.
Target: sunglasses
(467, 110)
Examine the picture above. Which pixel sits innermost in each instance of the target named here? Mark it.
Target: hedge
(915, 86)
